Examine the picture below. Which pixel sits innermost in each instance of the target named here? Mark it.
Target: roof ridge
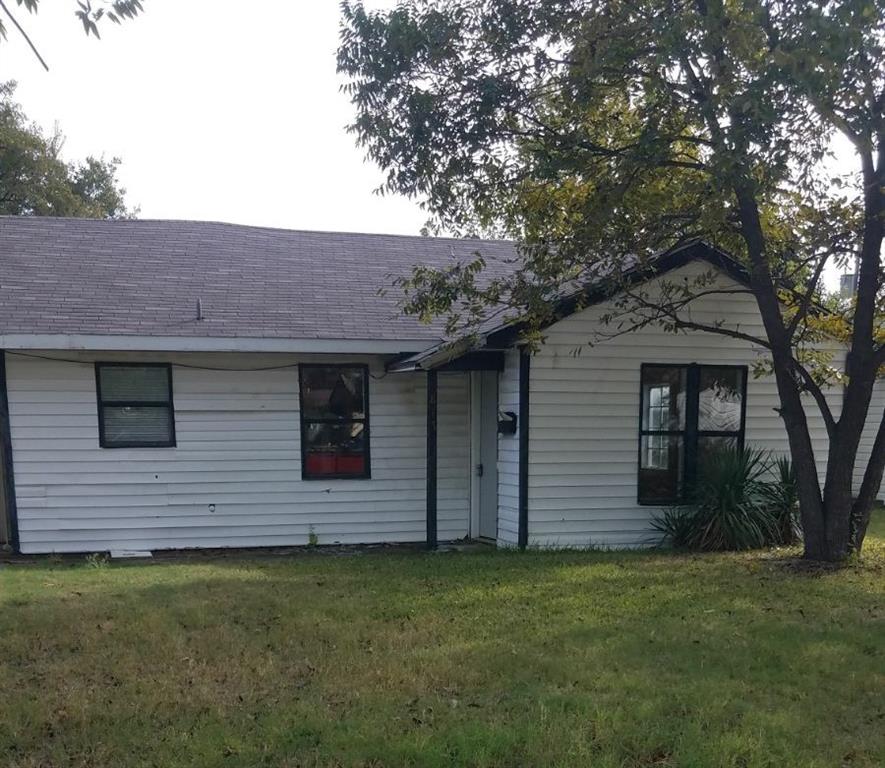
(261, 227)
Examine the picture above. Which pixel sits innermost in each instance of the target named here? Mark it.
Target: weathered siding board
(874, 417)
(508, 455)
(238, 448)
(583, 451)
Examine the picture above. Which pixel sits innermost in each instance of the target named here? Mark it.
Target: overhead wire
(175, 364)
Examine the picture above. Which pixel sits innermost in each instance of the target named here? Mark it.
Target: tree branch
(671, 313)
(872, 479)
(813, 389)
(807, 298)
(24, 34)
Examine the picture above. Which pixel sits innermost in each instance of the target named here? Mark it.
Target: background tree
(600, 131)
(35, 180)
(89, 15)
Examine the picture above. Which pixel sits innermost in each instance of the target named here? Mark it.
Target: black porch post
(431, 458)
(522, 536)
(8, 492)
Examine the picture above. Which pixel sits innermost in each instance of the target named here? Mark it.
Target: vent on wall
(118, 554)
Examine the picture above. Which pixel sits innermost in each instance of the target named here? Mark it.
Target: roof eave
(130, 343)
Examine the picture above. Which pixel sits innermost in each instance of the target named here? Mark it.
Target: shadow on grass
(480, 659)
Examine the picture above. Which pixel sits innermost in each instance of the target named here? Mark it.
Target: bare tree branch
(808, 296)
(24, 35)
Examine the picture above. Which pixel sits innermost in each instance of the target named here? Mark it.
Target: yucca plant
(783, 498)
(731, 499)
(729, 507)
(677, 526)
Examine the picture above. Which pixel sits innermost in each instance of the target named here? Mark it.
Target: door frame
(475, 407)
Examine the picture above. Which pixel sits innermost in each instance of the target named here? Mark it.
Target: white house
(184, 384)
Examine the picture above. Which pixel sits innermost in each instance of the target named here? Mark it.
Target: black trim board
(523, 427)
(6, 451)
(432, 403)
(478, 360)
(472, 360)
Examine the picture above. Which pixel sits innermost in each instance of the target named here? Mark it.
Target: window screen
(135, 405)
(334, 421)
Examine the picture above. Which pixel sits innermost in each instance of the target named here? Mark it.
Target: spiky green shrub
(677, 525)
(783, 498)
(731, 506)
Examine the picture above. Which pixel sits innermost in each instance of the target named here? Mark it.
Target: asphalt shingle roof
(144, 277)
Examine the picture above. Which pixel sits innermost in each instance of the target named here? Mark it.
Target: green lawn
(487, 659)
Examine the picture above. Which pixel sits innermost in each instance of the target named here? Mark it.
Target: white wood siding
(865, 449)
(584, 418)
(238, 449)
(508, 454)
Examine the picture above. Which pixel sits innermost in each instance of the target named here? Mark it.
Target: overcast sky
(219, 110)
(217, 113)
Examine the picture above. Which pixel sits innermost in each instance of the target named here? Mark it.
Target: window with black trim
(334, 421)
(687, 412)
(135, 405)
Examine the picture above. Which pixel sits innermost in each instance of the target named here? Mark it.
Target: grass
(481, 659)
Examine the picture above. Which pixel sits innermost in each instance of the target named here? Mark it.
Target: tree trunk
(841, 459)
(833, 523)
(847, 518)
(812, 508)
(866, 497)
(792, 411)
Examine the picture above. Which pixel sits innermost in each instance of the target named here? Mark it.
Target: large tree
(35, 180)
(596, 131)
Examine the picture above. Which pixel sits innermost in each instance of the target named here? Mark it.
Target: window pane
(137, 425)
(660, 468)
(709, 446)
(335, 449)
(333, 393)
(663, 398)
(719, 399)
(140, 383)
